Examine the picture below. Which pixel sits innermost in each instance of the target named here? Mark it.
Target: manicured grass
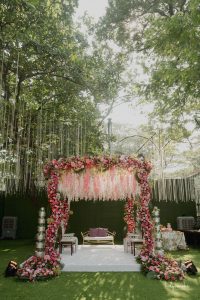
(93, 286)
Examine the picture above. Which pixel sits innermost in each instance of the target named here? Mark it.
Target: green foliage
(52, 81)
(167, 32)
(122, 18)
(174, 79)
(90, 285)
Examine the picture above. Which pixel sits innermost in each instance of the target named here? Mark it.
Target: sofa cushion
(103, 232)
(100, 238)
(93, 232)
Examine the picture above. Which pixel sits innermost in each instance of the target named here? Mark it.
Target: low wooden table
(66, 244)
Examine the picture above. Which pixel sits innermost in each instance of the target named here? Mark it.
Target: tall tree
(167, 34)
(51, 84)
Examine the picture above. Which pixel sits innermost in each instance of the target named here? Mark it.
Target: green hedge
(25, 208)
(86, 214)
(170, 210)
(91, 214)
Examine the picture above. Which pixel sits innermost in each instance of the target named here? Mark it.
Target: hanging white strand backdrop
(92, 184)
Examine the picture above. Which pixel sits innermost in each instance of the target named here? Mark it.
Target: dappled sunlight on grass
(94, 286)
(114, 286)
(190, 287)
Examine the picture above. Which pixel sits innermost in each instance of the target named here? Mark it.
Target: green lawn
(93, 286)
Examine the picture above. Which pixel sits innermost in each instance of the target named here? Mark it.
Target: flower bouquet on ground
(38, 268)
(160, 267)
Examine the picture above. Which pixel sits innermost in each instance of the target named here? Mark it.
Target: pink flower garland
(60, 213)
(79, 164)
(128, 215)
(48, 266)
(144, 214)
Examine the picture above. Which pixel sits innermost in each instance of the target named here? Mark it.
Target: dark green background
(86, 214)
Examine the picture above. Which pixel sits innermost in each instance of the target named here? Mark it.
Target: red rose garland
(48, 266)
(128, 215)
(144, 214)
(60, 213)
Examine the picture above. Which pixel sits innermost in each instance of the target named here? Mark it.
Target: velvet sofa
(98, 236)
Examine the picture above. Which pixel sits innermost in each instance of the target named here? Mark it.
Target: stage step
(99, 258)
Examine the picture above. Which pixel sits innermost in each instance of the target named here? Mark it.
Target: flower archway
(106, 178)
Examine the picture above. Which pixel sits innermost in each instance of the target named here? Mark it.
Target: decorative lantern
(40, 237)
(158, 238)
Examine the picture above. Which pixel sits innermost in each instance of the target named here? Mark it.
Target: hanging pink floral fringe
(113, 184)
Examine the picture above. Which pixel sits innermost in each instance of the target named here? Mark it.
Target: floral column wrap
(144, 214)
(60, 213)
(129, 215)
(47, 266)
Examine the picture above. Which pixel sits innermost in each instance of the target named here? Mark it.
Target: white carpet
(99, 258)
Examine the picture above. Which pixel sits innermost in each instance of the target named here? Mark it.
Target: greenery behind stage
(86, 214)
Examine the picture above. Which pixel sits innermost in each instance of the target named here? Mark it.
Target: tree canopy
(167, 33)
(52, 81)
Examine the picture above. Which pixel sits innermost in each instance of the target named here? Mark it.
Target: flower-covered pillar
(144, 214)
(60, 214)
(129, 215)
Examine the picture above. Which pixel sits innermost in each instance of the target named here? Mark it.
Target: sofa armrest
(112, 233)
(84, 234)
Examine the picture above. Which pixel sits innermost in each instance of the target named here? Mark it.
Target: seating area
(68, 240)
(98, 236)
(131, 241)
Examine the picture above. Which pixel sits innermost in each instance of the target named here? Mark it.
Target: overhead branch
(53, 75)
(148, 139)
(107, 113)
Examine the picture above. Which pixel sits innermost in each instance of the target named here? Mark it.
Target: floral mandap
(98, 178)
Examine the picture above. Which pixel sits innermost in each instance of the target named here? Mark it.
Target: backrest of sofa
(98, 232)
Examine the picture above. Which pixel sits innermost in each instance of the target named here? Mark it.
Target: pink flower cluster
(101, 162)
(161, 267)
(36, 268)
(129, 215)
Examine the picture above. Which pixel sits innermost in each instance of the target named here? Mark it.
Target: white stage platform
(99, 258)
